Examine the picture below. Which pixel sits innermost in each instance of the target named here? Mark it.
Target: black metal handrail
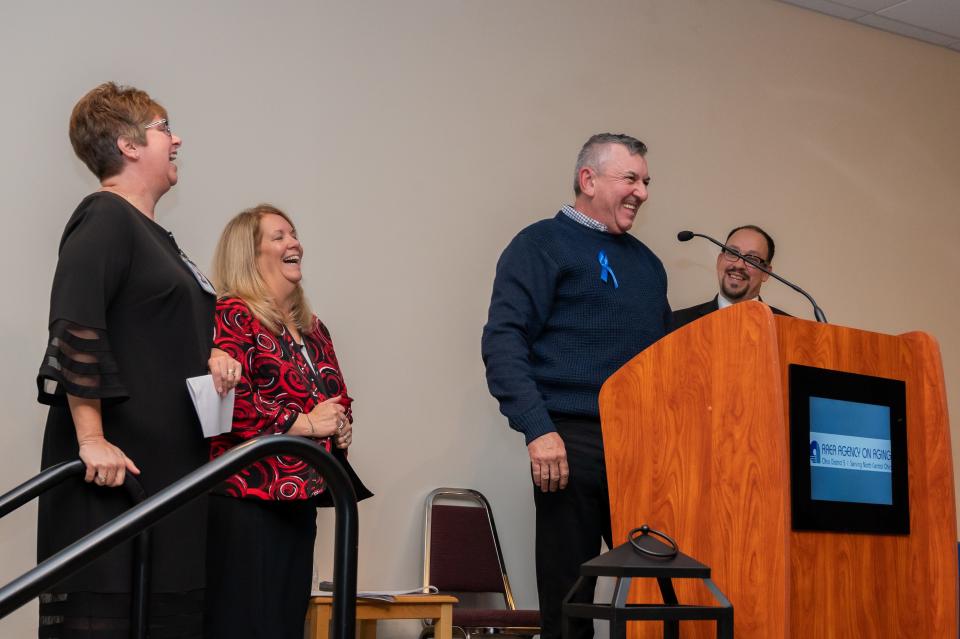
(152, 510)
(59, 473)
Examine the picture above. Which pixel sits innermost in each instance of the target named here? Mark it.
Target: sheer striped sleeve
(93, 263)
(78, 362)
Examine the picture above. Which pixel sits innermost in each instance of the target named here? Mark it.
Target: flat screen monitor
(848, 452)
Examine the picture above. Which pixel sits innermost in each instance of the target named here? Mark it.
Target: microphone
(686, 236)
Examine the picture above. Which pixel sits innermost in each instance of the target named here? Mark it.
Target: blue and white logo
(847, 452)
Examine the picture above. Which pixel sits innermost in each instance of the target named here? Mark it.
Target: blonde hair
(235, 272)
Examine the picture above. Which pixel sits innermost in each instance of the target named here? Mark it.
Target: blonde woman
(263, 519)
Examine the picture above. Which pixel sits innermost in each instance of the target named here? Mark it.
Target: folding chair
(461, 554)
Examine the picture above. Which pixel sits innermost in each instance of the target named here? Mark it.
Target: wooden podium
(696, 441)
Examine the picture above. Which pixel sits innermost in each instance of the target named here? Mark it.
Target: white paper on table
(215, 412)
(325, 589)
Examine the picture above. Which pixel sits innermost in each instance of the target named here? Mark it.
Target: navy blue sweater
(556, 330)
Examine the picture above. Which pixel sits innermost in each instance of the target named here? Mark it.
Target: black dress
(121, 275)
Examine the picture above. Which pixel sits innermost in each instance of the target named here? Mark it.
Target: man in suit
(739, 280)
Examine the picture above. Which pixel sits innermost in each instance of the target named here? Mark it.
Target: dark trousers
(259, 568)
(570, 525)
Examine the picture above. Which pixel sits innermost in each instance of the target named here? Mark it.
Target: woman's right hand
(106, 464)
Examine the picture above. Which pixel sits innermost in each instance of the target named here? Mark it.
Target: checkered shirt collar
(580, 218)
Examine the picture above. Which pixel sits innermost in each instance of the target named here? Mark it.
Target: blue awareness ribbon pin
(605, 269)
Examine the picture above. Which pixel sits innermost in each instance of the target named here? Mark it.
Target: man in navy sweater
(574, 298)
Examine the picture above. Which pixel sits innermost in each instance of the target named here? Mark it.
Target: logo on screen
(814, 452)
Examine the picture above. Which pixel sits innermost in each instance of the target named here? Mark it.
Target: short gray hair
(593, 152)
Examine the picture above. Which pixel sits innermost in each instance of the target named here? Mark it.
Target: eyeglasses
(160, 125)
(751, 261)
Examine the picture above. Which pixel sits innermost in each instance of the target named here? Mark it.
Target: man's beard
(735, 295)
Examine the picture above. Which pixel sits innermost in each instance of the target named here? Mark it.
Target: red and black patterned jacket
(275, 387)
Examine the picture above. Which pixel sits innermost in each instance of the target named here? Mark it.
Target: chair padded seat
(495, 618)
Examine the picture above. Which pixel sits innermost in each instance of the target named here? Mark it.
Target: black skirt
(259, 567)
(92, 615)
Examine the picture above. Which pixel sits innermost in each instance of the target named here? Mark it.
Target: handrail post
(345, 542)
(58, 473)
(140, 588)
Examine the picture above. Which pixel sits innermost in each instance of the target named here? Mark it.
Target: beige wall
(411, 140)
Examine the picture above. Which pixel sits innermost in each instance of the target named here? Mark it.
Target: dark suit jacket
(686, 315)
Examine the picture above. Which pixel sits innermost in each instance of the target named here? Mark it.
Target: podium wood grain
(857, 586)
(696, 444)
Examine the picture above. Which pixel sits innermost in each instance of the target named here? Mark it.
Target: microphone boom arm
(817, 311)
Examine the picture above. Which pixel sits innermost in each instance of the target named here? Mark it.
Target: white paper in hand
(215, 413)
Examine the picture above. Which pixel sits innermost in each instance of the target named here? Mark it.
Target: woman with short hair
(131, 317)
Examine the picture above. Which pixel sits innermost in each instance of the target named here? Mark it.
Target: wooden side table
(439, 608)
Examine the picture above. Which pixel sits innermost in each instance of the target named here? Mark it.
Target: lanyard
(311, 373)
